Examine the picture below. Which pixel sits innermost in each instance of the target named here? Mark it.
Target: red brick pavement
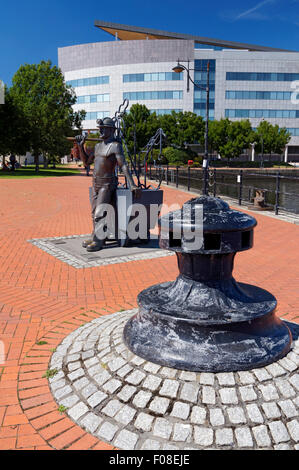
(44, 299)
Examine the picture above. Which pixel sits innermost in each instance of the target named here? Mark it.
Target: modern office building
(246, 81)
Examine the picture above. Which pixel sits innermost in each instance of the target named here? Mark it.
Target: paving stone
(137, 361)
(91, 422)
(73, 366)
(112, 386)
(151, 444)
(188, 376)
(144, 422)
(198, 415)
(142, 398)
(228, 396)
(91, 362)
(89, 390)
(208, 395)
(226, 378)
(126, 392)
(279, 432)
(96, 399)
(78, 410)
(61, 392)
(107, 431)
(170, 447)
(288, 364)
(102, 377)
(275, 369)
(262, 374)
(247, 393)
(216, 417)
(243, 437)
(203, 436)
(236, 415)
(271, 410)
(182, 432)
(285, 388)
(150, 367)
(116, 364)
(254, 413)
(167, 372)
(282, 447)
(152, 382)
(159, 405)
(135, 377)
(206, 378)
(69, 401)
(224, 437)
(125, 415)
(288, 408)
(87, 354)
(81, 383)
(293, 427)
(59, 384)
(76, 374)
(124, 370)
(294, 380)
(73, 357)
(162, 428)
(169, 388)
(180, 410)
(246, 378)
(269, 392)
(190, 392)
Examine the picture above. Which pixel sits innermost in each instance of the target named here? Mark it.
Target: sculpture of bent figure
(108, 152)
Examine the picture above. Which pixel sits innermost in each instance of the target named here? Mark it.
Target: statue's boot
(87, 242)
(95, 246)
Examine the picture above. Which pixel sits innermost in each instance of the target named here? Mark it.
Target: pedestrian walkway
(43, 299)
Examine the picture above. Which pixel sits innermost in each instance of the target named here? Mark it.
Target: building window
(93, 98)
(262, 113)
(92, 116)
(153, 95)
(257, 95)
(262, 77)
(104, 80)
(152, 77)
(200, 94)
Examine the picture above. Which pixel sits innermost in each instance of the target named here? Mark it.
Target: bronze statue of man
(107, 154)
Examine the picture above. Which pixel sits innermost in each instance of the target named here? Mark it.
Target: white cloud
(250, 11)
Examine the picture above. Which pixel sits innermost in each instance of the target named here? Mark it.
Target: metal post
(177, 177)
(150, 171)
(240, 181)
(215, 183)
(206, 155)
(277, 192)
(188, 178)
(167, 174)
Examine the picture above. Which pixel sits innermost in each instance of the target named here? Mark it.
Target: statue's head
(106, 127)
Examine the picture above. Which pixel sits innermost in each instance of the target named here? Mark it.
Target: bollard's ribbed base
(214, 326)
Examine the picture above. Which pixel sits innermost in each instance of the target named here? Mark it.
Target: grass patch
(29, 172)
(50, 373)
(62, 409)
(41, 343)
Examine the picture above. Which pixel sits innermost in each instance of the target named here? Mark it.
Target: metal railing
(281, 189)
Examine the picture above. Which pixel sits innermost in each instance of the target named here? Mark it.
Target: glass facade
(96, 115)
(197, 45)
(262, 113)
(258, 95)
(104, 80)
(93, 98)
(262, 76)
(293, 130)
(200, 79)
(153, 95)
(152, 77)
(161, 112)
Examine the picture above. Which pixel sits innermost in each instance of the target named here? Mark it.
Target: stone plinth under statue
(205, 320)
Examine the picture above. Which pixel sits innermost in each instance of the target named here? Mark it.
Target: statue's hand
(136, 191)
(80, 139)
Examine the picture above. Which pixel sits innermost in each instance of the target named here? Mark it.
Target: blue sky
(32, 30)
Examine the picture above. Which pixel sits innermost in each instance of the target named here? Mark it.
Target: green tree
(183, 128)
(271, 138)
(44, 100)
(230, 138)
(139, 121)
(13, 132)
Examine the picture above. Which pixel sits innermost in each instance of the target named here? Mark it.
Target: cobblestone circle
(134, 404)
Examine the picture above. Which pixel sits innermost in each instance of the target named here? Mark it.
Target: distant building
(246, 81)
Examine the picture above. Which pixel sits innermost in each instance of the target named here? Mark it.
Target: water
(227, 185)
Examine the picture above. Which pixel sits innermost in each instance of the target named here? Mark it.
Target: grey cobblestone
(288, 408)
(151, 444)
(162, 428)
(112, 408)
(288, 364)
(206, 378)
(91, 422)
(247, 393)
(243, 437)
(169, 388)
(203, 436)
(293, 427)
(261, 436)
(152, 382)
(79, 384)
(262, 374)
(279, 432)
(254, 413)
(180, 410)
(125, 415)
(89, 390)
(295, 381)
(168, 373)
(198, 415)
(77, 411)
(216, 417)
(226, 378)
(271, 410)
(124, 370)
(190, 392)
(159, 405)
(152, 368)
(228, 396)
(61, 392)
(96, 399)
(135, 377)
(208, 395)
(236, 415)
(269, 392)
(188, 376)
(285, 388)
(112, 386)
(275, 369)
(144, 422)
(182, 432)
(69, 401)
(224, 437)
(142, 398)
(246, 378)
(126, 392)
(107, 431)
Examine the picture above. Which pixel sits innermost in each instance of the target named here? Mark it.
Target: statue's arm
(86, 159)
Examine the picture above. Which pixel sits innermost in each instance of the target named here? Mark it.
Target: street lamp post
(205, 165)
